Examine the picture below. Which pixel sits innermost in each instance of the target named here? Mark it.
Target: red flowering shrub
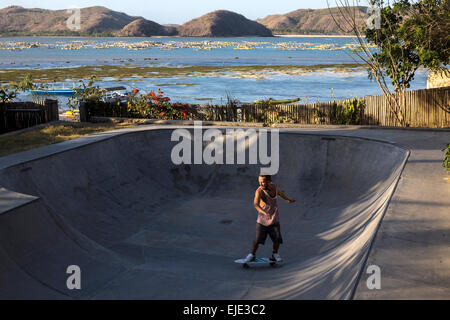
(157, 106)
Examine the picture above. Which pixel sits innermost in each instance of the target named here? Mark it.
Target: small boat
(53, 92)
(114, 94)
(271, 101)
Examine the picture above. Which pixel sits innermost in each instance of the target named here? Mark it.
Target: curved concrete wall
(141, 227)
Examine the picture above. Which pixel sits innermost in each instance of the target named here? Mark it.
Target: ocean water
(321, 85)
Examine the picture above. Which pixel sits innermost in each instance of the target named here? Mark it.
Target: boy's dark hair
(266, 176)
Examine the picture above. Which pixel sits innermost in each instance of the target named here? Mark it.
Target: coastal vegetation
(157, 106)
(348, 112)
(140, 72)
(10, 91)
(151, 105)
(86, 92)
(410, 35)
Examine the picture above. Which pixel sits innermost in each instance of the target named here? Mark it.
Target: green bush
(86, 93)
(272, 114)
(348, 113)
(446, 163)
(6, 95)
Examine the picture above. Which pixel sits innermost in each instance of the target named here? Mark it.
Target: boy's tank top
(271, 207)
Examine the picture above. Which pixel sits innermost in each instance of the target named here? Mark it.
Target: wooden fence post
(84, 117)
(51, 110)
(2, 117)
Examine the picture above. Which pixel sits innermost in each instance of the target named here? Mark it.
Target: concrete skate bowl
(141, 227)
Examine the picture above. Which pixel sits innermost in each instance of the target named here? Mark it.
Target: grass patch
(54, 133)
(128, 71)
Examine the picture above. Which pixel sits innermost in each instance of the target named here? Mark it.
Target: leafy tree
(427, 29)
(410, 35)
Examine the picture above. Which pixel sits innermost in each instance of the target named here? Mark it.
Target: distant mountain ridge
(220, 23)
(93, 19)
(310, 21)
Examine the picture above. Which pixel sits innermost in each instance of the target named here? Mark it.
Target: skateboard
(257, 261)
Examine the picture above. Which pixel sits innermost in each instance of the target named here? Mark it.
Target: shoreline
(157, 37)
(312, 36)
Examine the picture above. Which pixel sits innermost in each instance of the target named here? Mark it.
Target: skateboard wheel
(246, 266)
(272, 264)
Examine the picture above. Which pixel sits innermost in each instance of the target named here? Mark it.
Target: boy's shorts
(273, 231)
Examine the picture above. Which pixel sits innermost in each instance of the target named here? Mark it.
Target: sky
(179, 11)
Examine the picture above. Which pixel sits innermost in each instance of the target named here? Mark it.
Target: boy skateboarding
(266, 204)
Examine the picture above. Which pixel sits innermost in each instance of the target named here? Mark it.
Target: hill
(308, 21)
(42, 21)
(146, 28)
(222, 23)
(16, 20)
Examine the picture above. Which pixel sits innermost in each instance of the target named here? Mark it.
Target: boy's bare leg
(254, 247)
(276, 246)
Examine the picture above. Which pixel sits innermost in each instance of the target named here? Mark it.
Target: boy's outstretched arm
(282, 195)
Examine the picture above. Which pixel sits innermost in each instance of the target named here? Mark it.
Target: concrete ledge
(180, 122)
(10, 200)
(146, 124)
(353, 127)
(261, 125)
